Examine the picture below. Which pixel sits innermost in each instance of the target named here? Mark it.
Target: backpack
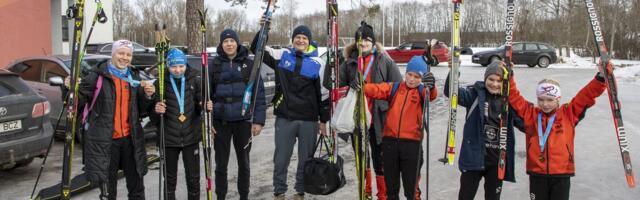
(395, 87)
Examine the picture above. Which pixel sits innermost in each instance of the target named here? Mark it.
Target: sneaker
(299, 196)
(278, 197)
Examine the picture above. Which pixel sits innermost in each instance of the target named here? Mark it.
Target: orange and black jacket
(557, 159)
(404, 118)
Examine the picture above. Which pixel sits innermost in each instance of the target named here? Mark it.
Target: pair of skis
(162, 47)
(361, 139)
(207, 129)
(74, 12)
(251, 91)
(606, 69)
(449, 153)
(77, 13)
(333, 64)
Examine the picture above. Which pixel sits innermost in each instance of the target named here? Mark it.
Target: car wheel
(543, 62)
(531, 65)
(23, 163)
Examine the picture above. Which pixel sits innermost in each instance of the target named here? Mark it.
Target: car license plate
(10, 126)
(476, 58)
(269, 84)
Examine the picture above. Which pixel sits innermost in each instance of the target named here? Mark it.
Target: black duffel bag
(321, 176)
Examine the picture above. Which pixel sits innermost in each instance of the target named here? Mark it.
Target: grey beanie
(494, 68)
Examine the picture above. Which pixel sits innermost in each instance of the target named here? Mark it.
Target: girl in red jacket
(402, 131)
(550, 132)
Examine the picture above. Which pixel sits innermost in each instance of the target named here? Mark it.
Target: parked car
(25, 130)
(142, 56)
(266, 73)
(45, 74)
(404, 52)
(528, 53)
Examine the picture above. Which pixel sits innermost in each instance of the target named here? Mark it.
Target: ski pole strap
(88, 107)
(542, 138)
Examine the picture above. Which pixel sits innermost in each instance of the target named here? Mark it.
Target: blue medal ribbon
(125, 75)
(542, 138)
(179, 95)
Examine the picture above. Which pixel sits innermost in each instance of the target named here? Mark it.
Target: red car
(407, 50)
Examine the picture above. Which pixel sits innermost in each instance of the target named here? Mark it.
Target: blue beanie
(302, 29)
(229, 33)
(176, 57)
(417, 65)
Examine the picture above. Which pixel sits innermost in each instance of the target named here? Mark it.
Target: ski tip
(631, 182)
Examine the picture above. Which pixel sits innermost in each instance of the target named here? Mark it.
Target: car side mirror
(56, 81)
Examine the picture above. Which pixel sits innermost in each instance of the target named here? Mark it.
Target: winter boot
(298, 196)
(418, 189)
(278, 197)
(367, 186)
(382, 188)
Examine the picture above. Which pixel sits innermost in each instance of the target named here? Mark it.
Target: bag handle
(321, 141)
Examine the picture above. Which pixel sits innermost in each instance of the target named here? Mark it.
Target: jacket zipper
(401, 114)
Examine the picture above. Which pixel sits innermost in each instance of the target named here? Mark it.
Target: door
(531, 52)
(518, 53)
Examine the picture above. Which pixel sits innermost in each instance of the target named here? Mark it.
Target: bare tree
(194, 41)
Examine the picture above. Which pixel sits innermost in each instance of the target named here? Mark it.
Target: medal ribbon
(179, 96)
(542, 138)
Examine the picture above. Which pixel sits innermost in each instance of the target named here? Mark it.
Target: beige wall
(25, 29)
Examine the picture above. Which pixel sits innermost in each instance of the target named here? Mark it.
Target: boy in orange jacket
(550, 132)
(402, 133)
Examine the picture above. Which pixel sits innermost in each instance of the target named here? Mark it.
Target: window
(30, 70)
(106, 48)
(52, 69)
(531, 47)
(405, 46)
(65, 28)
(138, 48)
(543, 47)
(517, 47)
(10, 84)
(419, 45)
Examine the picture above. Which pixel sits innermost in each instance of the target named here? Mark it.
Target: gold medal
(182, 118)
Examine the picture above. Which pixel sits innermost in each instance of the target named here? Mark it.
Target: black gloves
(355, 83)
(429, 80)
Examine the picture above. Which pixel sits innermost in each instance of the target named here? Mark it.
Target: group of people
(114, 139)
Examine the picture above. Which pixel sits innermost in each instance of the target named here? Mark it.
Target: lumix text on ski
(593, 16)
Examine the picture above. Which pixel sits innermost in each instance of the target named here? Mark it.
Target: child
(181, 110)
(550, 132)
(402, 134)
(377, 67)
(480, 136)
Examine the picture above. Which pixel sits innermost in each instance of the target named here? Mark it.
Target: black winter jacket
(180, 134)
(229, 79)
(98, 138)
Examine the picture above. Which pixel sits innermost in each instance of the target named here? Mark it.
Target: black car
(142, 56)
(528, 53)
(25, 128)
(267, 74)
